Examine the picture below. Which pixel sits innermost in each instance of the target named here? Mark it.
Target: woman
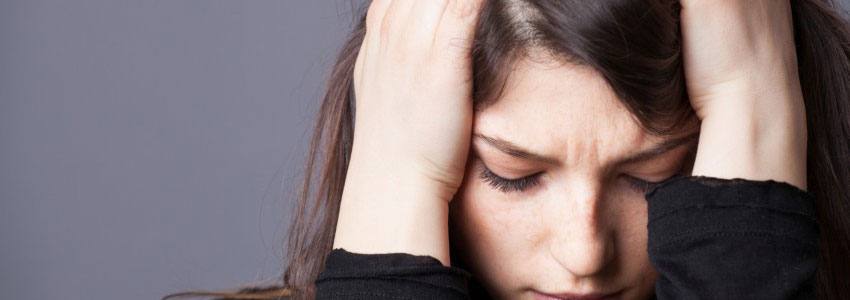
(532, 149)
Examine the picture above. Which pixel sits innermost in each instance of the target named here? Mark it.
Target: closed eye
(638, 184)
(642, 186)
(506, 185)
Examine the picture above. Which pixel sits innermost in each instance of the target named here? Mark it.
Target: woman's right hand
(413, 120)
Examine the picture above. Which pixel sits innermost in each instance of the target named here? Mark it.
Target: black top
(709, 238)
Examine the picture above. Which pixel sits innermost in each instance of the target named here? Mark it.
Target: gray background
(144, 145)
(148, 147)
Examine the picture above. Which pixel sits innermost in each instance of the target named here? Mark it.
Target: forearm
(764, 139)
(743, 82)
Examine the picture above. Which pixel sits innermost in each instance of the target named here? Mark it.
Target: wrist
(384, 180)
(754, 143)
(374, 226)
(392, 211)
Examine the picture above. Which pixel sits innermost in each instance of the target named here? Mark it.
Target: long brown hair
(635, 46)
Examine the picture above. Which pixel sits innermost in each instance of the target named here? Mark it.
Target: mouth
(538, 295)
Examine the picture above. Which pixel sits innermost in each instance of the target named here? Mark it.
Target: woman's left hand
(741, 72)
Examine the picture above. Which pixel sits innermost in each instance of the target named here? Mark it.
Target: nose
(581, 241)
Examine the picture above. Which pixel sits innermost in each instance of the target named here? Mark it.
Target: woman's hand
(741, 72)
(413, 85)
(413, 122)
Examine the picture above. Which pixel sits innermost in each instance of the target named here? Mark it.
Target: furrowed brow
(514, 150)
(518, 152)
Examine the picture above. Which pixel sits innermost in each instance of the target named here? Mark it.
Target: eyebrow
(660, 148)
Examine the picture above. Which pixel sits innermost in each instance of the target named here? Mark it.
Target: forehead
(550, 107)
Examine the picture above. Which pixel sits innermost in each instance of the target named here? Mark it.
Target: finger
(371, 40)
(374, 20)
(423, 24)
(456, 30)
(392, 27)
(466, 9)
(376, 13)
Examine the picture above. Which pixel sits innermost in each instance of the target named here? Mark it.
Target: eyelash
(522, 184)
(641, 185)
(508, 185)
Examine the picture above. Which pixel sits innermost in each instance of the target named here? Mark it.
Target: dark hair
(635, 46)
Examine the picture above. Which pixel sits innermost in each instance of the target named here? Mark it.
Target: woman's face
(577, 221)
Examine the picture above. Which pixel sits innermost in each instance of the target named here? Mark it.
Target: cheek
(629, 213)
(629, 219)
(494, 235)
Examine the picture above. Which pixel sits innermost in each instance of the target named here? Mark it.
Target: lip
(538, 295)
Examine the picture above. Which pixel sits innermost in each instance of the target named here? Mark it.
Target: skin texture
(582, 228)
(414, 64)
(741, 71)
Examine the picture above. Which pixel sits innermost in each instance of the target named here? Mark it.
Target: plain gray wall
(145, 145)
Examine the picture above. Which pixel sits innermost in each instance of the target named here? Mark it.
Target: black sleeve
(713, 238)
(709, 238)
(350, 275)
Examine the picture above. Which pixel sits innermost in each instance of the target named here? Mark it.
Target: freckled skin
(582, 228)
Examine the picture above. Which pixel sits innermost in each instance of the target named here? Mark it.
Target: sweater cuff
(732, 239)
(684, 206)
(348, 271)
